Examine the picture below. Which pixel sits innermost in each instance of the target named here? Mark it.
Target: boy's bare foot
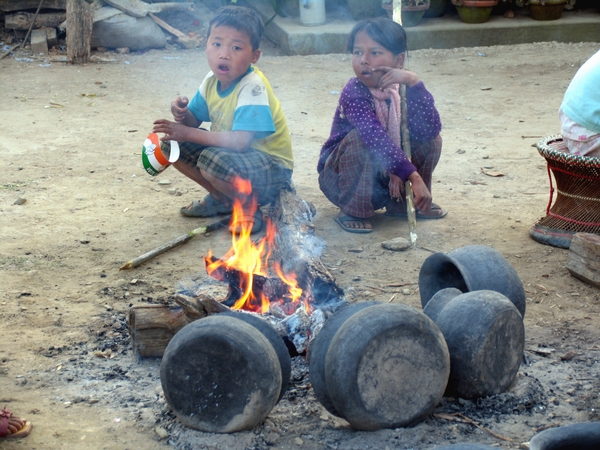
(208, 207)
(354, 224)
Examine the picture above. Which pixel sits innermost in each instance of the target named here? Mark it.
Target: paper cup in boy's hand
(153, 158)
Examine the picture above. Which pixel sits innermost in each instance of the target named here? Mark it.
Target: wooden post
(80, 17)
(584, 260)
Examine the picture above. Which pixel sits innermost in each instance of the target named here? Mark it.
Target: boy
(248, 137)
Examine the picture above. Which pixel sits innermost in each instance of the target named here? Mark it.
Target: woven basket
(576, 208)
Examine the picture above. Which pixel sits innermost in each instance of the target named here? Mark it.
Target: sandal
(341, 220)
(255, 219)
(12, 426)
(209, 207)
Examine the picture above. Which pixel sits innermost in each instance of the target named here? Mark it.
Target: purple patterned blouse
(356, 109)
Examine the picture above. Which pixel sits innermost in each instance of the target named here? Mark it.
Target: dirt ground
(76, 204)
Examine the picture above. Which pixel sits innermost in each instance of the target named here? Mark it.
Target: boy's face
(367, 54)
(229, 54)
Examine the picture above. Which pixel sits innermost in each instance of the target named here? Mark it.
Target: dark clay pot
(580, 436)
(387, 367)
(471, 268)
(320, 346)
(486, 338)
(439, 301)
(546, 12)
(268, 331)
(220, 375)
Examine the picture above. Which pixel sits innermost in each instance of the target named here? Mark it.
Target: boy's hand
(179, 108)
(173, 131)
(393, 75)
(421, 193)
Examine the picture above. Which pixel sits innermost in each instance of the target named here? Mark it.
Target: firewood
(584, 260)
(20, 5)
(152, 327)
(298, 248)
(23, 20)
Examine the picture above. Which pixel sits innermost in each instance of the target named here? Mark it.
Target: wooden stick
(410, 205)
(32, 22)
(3, 55)
(174, 243)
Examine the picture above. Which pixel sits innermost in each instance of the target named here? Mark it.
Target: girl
(362, 167)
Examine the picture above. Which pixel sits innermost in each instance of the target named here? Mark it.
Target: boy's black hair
(242, 19)
(384, 31)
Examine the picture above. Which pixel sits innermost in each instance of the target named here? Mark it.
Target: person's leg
(347, 181)
(425, 156)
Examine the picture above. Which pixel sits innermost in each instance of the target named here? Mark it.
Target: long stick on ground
(174, 243)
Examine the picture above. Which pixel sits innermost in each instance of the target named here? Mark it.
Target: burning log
(152, 327)
(298, 248)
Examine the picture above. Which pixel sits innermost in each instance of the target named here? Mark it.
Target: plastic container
(153, 159)
(312, 12)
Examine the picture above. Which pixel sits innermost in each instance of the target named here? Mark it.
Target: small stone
(298, 441)
(164, 182)
(406, 291)
(20, 201)
(84, 240)
(271, 438)
(398, 244)
(161, 432)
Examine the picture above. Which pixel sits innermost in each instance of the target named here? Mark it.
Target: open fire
(246, 267)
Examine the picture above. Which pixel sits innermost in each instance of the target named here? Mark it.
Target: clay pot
(474, 11)
(320, 346)
(580, 436)
(387, 366)
(546, 9)
(412, 15)
(268, 331)
(471, 268)
(437, 8)
(439, 301)
(486, 338)
(220, 375)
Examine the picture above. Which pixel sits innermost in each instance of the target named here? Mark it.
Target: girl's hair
(384, 31)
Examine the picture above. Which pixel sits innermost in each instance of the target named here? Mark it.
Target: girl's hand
(173, 131)
(393, 75)
(179, 108)
(421, 194)
(396, 186)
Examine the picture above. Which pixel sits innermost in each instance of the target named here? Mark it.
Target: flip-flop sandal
(5, 416)
(209, 207)
(257, 223)
(341, 220)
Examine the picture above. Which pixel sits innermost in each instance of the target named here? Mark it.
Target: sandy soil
(75, 205)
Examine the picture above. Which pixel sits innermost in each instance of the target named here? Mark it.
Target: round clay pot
(439, 301)
(320, 346)
(387, 367)
(437, 8)
(474, 11)
(220, 375)
(486, 338)
(546, 10)
(580, 436)
(268, 331)
(412, 15)
(471, 268)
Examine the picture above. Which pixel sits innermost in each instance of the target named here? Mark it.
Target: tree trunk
(80, 17)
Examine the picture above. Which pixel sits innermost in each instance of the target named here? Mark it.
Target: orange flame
(251, 260)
